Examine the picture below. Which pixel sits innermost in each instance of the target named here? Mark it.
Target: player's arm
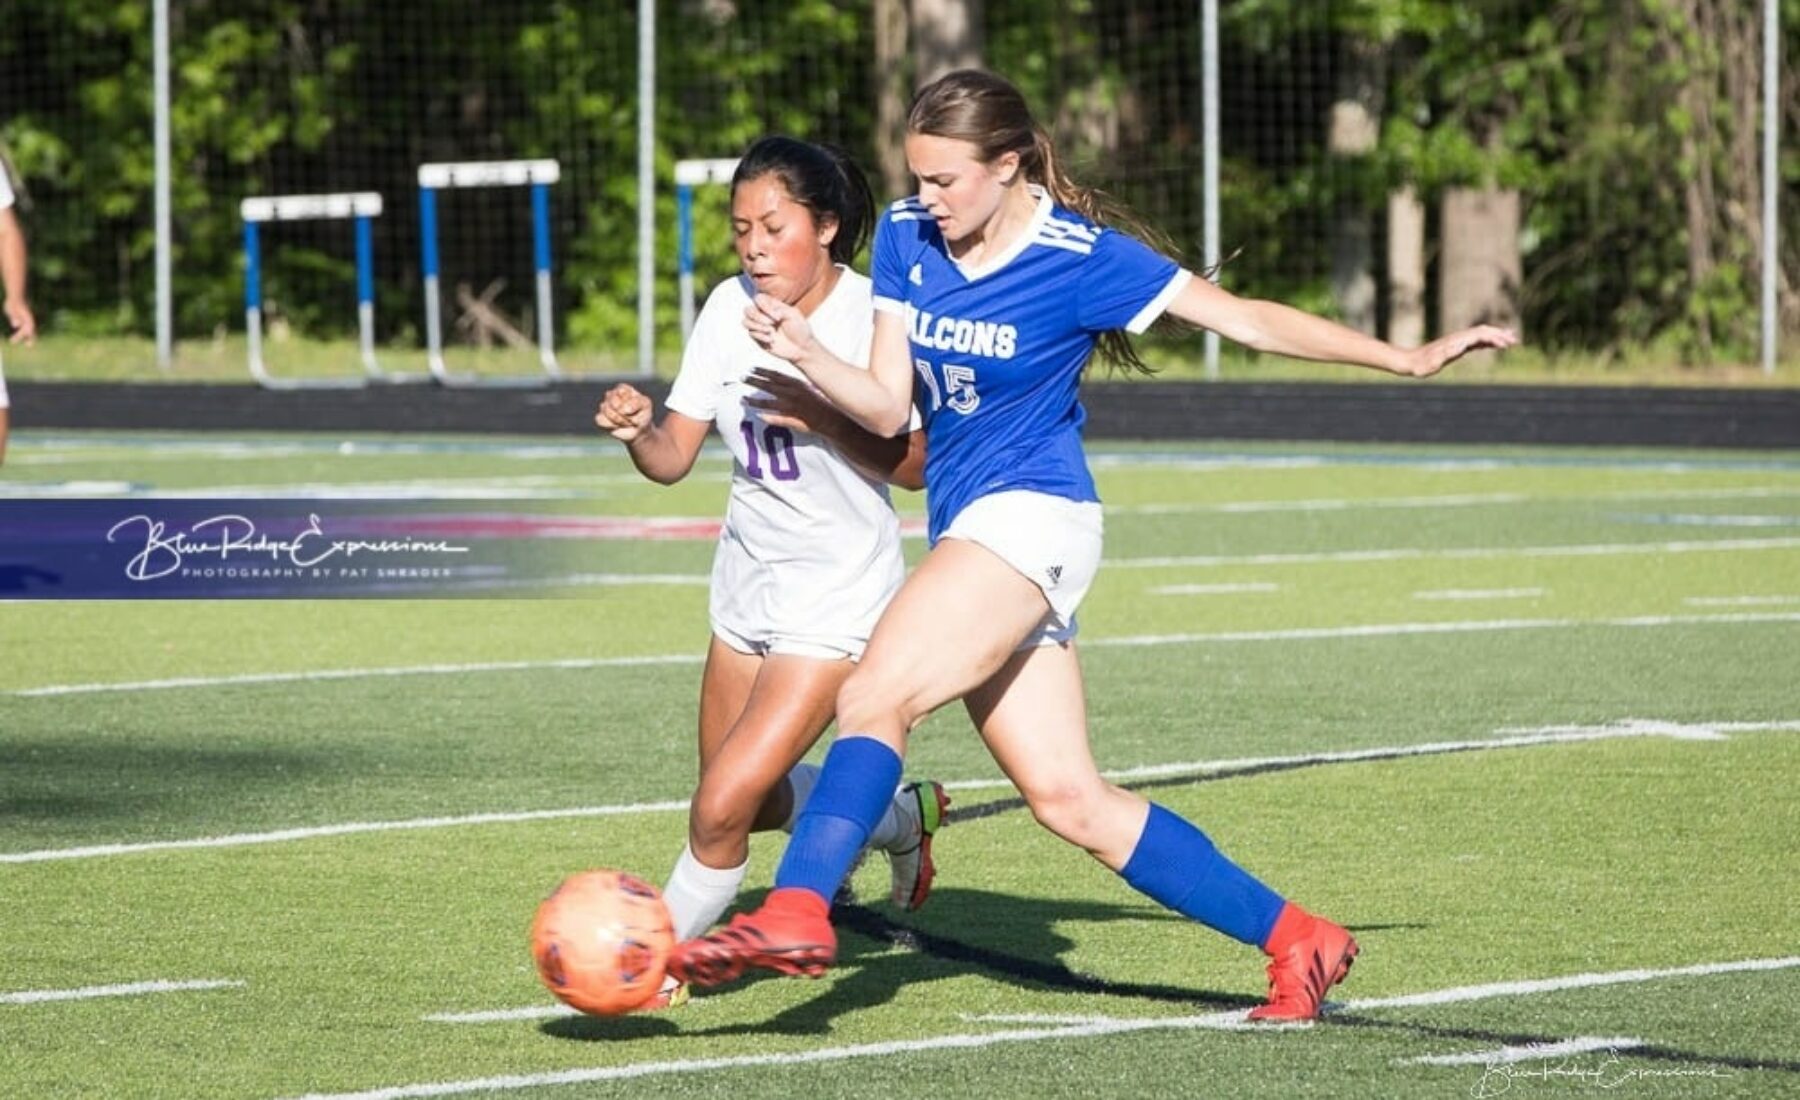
(880, 398)
(1284, 330)
(663, 452)
(787, 402)
(12, 278)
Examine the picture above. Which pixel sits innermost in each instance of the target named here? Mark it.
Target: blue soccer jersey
(998, 349)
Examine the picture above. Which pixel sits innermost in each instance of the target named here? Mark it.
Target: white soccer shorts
(1052, 541)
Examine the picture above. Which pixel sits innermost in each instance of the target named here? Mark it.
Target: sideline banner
(273, 549)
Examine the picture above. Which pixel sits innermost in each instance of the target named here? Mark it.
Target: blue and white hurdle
(690, 174)
(536, 174)
(360, 206)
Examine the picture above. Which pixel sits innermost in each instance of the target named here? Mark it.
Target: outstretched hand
(788, 402)
(1423, 362)
(624, 413)
(24, 325)
(777, 327)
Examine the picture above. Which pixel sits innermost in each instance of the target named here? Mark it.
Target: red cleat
(1309, 956)
(790, 934)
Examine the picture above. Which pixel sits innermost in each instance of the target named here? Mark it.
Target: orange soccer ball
(601, 941)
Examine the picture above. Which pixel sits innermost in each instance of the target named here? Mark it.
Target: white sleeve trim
(890, 305)
(1146, 316)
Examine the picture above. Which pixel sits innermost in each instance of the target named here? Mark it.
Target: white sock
(893, 828)
(803, 778)
(698, 895)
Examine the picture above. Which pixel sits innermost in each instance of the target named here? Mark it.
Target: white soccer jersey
(810, 550)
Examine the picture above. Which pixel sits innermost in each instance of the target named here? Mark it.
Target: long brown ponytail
(988, 112)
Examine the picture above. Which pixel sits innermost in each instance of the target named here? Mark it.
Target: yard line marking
(1317, 504)
(1423, 553)
(1444, 500)
(1097, 1026)
(1740, 601)
(1374, 630)
(1516, 738)
(1520, 738)
(314, 832)
(1213, 589)
(360, 673)
(502, 1015)
(132, 989)
(1709, 519)
(1478, 594)
(1226, 462)
(1385, 630)
(1531, 1052)
(1466, 993)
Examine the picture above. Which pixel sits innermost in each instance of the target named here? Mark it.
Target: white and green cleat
(924, 805)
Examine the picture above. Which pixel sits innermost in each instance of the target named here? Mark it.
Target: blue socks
(853, 791)
(1175, 864)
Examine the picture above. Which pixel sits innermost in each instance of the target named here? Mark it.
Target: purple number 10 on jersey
(777, 446)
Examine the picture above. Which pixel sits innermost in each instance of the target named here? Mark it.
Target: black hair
(822, 179)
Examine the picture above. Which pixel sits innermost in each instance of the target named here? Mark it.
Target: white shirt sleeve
(697, 387)
(7, 198)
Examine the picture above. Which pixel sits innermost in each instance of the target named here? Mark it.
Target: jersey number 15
(959, 385)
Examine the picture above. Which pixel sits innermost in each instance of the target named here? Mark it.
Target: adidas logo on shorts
(1054, 572)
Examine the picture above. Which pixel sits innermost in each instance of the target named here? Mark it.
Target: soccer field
(1526, 721)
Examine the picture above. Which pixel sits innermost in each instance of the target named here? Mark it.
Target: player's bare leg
(954, 622)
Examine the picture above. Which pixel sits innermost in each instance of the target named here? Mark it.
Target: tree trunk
(1480, 268)
(1406, 268)
(946, 36)
(892, 84)
(1355, 127)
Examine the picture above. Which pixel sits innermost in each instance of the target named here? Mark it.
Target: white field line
(1531, 1052)
(1464, 994)
(1444, 500)
(360, 673)
(1460, 553)
(1434, 463)
(1054, 1029)
(1478, 594)
(1388, 630)
(150, 449)
(1213, 589)
(1713, 519)
(347, 828)
(1373, 630)
(1557, 735)
(133, 989)
(1740, 601)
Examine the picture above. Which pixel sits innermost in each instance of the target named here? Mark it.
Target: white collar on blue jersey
(1026, 236)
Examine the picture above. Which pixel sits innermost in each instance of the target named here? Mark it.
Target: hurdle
(536, 174)
(360, 206)
(690, 174)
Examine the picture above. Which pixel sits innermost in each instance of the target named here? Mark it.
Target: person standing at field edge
(12, 282)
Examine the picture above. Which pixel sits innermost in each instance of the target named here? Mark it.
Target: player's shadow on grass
(62, 783)
(1001, 936)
